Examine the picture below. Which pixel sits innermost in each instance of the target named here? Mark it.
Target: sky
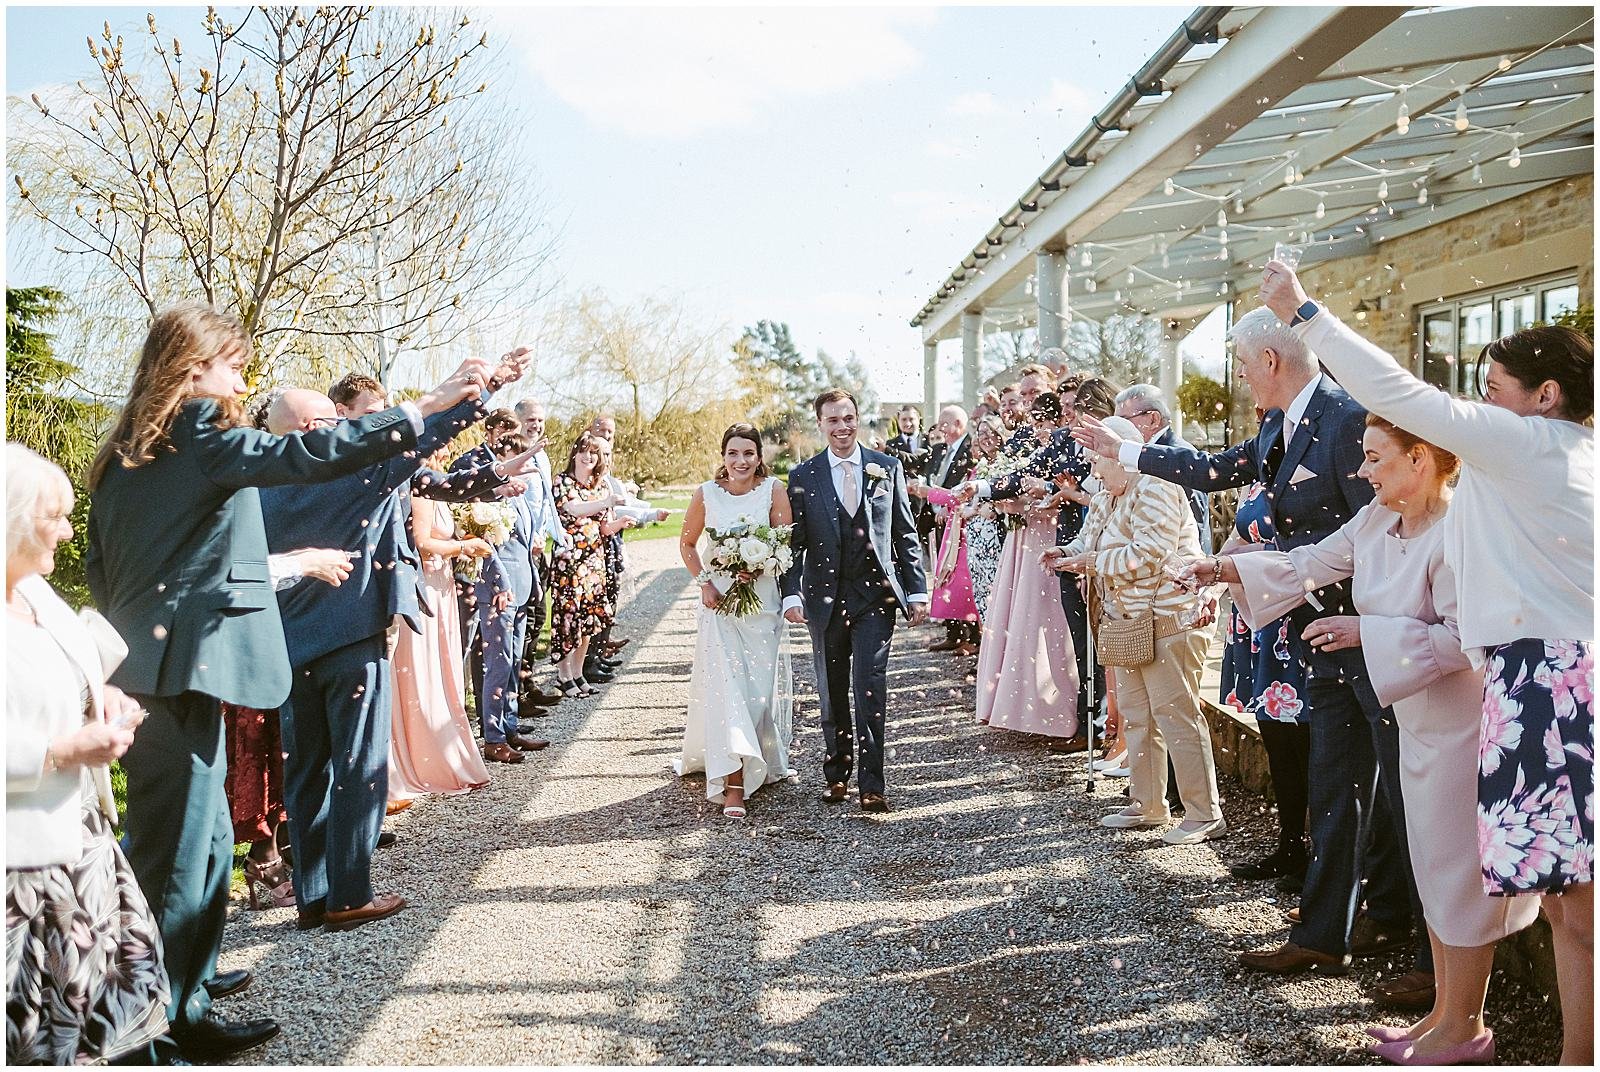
(821, 166)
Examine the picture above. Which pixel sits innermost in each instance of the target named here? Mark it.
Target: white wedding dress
(741, 698)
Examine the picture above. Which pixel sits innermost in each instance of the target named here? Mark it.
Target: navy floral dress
(1536, 767)
(1259, 675)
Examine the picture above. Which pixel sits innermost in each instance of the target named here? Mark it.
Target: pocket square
(1300, 473)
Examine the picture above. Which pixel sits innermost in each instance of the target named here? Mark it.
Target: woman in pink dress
(952, 599)
(1027, 667)
(431, 749)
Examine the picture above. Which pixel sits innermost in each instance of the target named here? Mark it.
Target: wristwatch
(1307, 310)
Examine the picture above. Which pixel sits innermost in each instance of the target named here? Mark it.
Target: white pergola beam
(1276, 52)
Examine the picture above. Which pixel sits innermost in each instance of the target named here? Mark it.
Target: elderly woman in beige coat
(1138, 529)
(84, 982)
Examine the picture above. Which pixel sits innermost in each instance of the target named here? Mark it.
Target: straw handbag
(1125, 642)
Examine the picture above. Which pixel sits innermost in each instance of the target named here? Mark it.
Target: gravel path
(588, 908)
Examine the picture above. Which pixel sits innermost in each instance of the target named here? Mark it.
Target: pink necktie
(852, 493)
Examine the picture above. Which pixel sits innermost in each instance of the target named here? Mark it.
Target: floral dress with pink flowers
(1536, 767)
(1259, 674)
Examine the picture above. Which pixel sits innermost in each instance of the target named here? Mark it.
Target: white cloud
(980, 104)
(1071, 102)
(673, 73)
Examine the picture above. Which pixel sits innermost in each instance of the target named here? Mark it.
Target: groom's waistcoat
(862, 585)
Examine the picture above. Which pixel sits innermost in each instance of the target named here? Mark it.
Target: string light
(1131, 279)
(1462, 123)
(1515, 159)
(1288, 176)
(1090, 285)
(1238, 205)
(1383, 190)
(1402, 122)
(1477, 172)
(1168, 186)
(1085, 259)
(1222, 218)
(1299, 176)
(1222, 236)
(1322, 208)
(1422, 195)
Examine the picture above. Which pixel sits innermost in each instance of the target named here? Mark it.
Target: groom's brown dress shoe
(835, 793)
(874, 802)
(384, 904)
(1291, 959)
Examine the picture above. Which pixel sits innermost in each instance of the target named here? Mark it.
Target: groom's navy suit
(851, 573)
(1355, 745)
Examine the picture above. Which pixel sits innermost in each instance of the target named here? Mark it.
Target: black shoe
(527, 729)
(595, 674)
(214, 1039)
(1274, 865)
(1292, 882)
(224, 983)
(540, 698)
(386, 839)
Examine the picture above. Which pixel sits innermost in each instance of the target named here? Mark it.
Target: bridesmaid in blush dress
(1027, 667)
(431, 749)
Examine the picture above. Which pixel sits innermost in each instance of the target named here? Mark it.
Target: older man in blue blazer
(336, 722)
(1306, 455)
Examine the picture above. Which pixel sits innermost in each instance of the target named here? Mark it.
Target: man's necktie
(852, 490)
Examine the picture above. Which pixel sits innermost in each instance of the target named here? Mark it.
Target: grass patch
(671, 528)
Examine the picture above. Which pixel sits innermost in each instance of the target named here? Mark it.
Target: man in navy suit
(336, 721)
(1306, 455)
(856, 564)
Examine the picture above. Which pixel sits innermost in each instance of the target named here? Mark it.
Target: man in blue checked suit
(1306, 455)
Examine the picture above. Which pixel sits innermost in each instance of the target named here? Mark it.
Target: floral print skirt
(1536, 767)
(84, 982)
(578, 604)
(984, 540)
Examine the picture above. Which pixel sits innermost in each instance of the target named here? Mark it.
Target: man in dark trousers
(915, 452)
(1306, 455)
(336, 722)
(949, 466)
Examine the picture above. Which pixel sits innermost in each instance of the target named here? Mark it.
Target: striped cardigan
(1132, 536)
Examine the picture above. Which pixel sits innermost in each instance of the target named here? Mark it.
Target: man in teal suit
(178, 562)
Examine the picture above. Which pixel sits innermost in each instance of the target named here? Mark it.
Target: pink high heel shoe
(1478, 1051)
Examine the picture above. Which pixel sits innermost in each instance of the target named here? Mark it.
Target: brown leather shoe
(501, 753)
(966, 650)
(614, 646)
(835, 793)
(1413, 990)
(384, 904)
(1068, 745)
(946, 644)
(395, 807)
(1368, 937)
(874, 802)
(526, 744)
(1292, 914)
(1291, 959)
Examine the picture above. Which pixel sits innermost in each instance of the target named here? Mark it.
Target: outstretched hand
(527, 461)
(511, 368)
(1281, 290)
(467, 381)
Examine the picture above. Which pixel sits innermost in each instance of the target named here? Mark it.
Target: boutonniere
(875, 471)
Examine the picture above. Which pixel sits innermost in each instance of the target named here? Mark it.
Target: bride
(740, 699)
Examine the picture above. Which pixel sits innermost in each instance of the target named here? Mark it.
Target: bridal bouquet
(1000, 466)
(488, 521)
(744, 552)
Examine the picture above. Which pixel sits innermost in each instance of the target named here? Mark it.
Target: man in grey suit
(856, 564)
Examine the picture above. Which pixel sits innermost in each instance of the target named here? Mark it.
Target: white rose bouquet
(489, 521)
(1002, 465)
(745, 552)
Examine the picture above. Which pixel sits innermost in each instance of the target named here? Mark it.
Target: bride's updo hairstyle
(753, 434)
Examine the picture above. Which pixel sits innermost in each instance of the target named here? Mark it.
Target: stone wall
(1545, 232)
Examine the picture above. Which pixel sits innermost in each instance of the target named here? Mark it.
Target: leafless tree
(339, 177)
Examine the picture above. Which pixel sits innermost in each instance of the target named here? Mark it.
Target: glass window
(1516, 312)
(1439, 350)
(1558, 300)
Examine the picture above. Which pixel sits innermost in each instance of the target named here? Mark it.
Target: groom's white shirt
(836, 470)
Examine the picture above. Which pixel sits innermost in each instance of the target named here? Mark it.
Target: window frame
(1538, 286)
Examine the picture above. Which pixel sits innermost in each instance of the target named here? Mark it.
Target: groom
(856, 564)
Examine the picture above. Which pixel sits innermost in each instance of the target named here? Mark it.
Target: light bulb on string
(1238, 205)
(1222, 236)
(1322, 208)
(1305, 238)
(1131, 279)
(1402, 121)
(1515, 159)
(1383, 190)
(1090, 285)
(1166, 262)
(1299, 176)
(1288, 175)
(1085, 259)
(1222, 218)
(1462, 122)
(1422, 195)
(1168, 186)
(1477, 172)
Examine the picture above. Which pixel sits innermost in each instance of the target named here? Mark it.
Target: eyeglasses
(325, 422)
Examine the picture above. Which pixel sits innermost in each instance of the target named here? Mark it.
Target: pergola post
(1171, 374)
(971, 366)
(930, 383)
(1050, 291)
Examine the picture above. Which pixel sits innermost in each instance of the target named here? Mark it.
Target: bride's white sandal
(735, 811)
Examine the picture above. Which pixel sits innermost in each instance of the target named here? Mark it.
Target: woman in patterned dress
(1519, 538)
(1261, 677)
(84, 979)
(984, 534)
(579, 607)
